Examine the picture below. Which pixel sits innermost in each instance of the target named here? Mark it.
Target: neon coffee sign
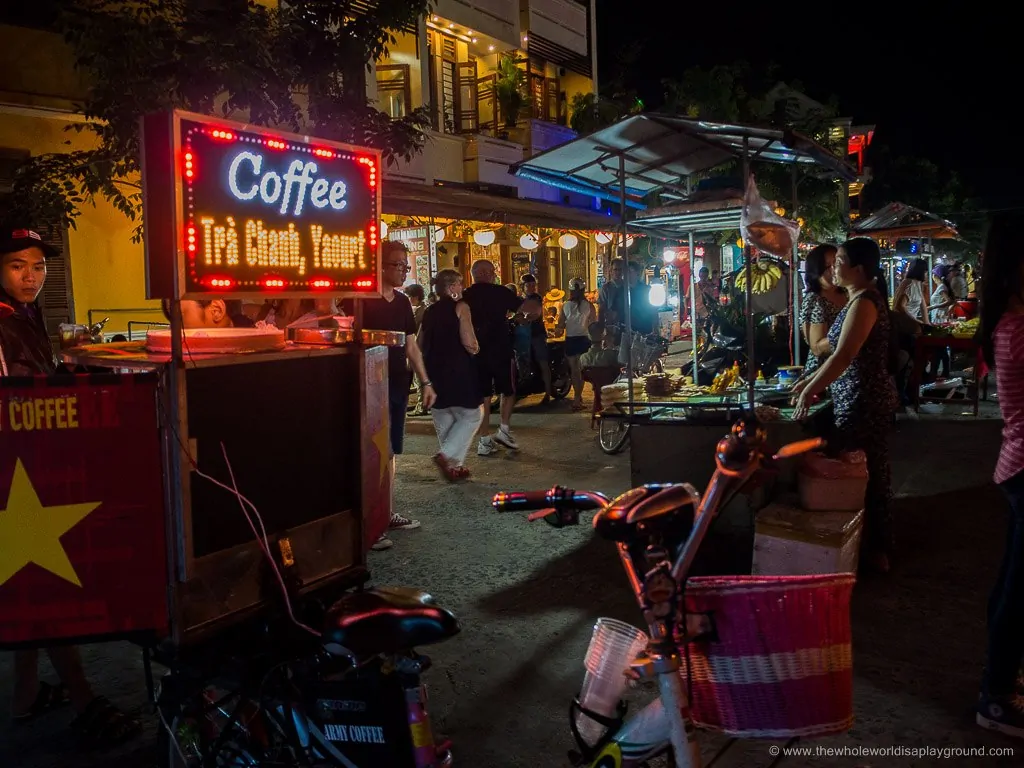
(261, 212)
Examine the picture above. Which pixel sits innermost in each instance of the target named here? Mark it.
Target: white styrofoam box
(831, 484)
(789, 541)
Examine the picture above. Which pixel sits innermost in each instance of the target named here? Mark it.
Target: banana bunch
(724, 380)
(764, 273)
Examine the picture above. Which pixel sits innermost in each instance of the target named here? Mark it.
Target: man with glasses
(393, 312)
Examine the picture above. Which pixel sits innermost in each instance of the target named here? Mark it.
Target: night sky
(934, 79)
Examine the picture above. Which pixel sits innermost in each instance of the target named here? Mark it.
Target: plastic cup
(613, 647)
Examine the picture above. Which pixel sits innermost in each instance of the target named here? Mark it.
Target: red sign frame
(83, 553)
(209, 185)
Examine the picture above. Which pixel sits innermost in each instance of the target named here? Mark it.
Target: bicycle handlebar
(529, 501)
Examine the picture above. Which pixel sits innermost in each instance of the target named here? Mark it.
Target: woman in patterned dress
(863, 395)
(823, 301)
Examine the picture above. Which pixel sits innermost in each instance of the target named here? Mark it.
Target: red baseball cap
(20, 238)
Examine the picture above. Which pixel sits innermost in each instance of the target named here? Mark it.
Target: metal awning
(898, 220)
(455, 202)
(677, 222)
(659, 153)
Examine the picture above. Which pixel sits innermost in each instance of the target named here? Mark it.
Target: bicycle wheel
(612, 435)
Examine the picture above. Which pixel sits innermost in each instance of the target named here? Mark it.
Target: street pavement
(528, 594)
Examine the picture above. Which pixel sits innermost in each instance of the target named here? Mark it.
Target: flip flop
(49, 698)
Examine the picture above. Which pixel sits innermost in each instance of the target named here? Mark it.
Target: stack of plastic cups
(613, 647)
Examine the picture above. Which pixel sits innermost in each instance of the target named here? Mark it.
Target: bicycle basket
(781, 663)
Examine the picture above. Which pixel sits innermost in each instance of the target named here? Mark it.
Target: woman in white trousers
(449, 347)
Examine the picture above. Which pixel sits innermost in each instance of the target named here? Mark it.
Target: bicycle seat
(651, 509)
(387, 620)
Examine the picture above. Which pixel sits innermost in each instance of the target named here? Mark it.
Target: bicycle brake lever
(540, 513)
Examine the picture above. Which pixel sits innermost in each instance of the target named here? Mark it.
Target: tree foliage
(300, 67)
(740, 93)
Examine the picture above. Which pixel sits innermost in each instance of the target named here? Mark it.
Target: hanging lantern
(603, 238)
(383, 229)
(739, 243)
(800, 221)
(568, 241)
(629, 241)
(529, 241)
(780, 211)
(668, 256)
(484, 237)
(439, 234)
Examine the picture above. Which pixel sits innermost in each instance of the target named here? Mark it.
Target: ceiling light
(474, 41)
(451, 26)
(434, 18)
(490, 47)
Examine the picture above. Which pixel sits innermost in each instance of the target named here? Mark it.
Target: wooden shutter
(551, 99)
(468, 121)
(56, 298)
(394, 89)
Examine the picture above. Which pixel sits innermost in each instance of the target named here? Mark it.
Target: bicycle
(647, 352)
(658, 530)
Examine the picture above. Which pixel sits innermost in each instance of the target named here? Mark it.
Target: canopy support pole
(693, 307)
(627, 338)
(748, 252)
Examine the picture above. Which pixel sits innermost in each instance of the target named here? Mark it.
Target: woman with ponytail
(863, 396)
(1001, 707)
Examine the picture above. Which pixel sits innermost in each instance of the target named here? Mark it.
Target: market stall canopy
(676, 222)
(898, 220)
(455, 202)
(660, 152)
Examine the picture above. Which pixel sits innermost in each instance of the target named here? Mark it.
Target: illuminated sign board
(256, 212)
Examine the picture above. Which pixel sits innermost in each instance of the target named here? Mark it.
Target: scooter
(528, 375)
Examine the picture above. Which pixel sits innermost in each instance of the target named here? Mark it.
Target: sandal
(49, 698)
(102, 725)
(447, 470)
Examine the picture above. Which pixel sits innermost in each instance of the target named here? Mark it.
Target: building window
(394, 89)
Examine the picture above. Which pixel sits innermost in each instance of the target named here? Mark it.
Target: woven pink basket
(782, 665)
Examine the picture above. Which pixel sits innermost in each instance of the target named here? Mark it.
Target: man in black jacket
(25, 350)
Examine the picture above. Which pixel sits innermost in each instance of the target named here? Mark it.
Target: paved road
(528, 595)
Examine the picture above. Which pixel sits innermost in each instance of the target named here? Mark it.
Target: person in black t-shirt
(538, 335)
(490, 305)
(393, 312)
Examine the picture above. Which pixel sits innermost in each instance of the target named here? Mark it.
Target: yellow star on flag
(30, 532)
(382, 439)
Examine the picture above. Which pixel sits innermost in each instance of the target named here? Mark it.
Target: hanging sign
(232, 210)
(82, 541)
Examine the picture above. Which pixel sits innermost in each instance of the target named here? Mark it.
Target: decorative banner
(256, 212)
(82, 541)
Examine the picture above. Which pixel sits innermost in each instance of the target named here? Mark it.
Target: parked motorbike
(528, 375)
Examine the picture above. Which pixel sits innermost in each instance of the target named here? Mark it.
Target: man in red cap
(25, 350)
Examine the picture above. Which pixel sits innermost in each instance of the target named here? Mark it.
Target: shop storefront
(450, 227)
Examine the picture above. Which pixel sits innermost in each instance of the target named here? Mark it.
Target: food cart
(672, 439)
(209, 468)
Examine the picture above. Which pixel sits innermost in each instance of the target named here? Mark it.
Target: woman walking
(575, 318)
(1002, 336)
(863, 396)
(449, 345)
